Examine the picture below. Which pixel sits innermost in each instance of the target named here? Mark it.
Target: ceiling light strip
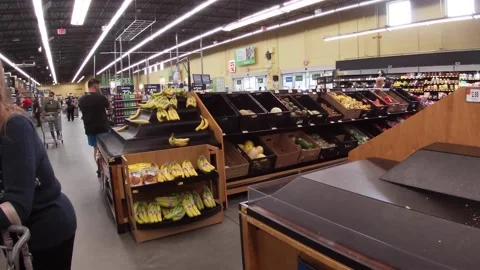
(160, 32)
(249, 34)
(110, 25)
(10, 63)
(404, 26)
(80, 10)
(81, 79)
(37, 4)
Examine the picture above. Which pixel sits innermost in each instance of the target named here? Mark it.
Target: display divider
(451, 120)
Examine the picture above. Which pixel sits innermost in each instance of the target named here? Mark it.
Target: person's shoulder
(18, 123)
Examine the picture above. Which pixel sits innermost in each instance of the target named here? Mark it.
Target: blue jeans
(92, 139)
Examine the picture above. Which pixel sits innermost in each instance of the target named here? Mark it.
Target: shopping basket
(15, 251)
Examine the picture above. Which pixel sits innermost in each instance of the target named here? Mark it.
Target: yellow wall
(304, 42)
(65, 89)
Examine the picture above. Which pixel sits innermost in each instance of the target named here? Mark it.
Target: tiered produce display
(274, 134)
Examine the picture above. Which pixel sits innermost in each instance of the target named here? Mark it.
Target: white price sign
(473, 95)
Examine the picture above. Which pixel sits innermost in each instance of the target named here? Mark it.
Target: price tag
(332, 122)
(299, 126)
(353, 119)
(274, 128)
(180, 183)
(366, 117)
(312, 125)
(340, 121)
(223, 134)
(135, 191)
(277, 92)
(309, 91)
(290, 91)
(473, 95)
(244, 131)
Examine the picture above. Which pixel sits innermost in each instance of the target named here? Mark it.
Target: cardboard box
(305, 155)
(281, 145)
(347, 113)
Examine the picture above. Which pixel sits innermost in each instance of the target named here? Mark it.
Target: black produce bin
(370, 98)
(323, 103)
(269, 101)
(261, 165)
(298, 119)
(327, 154)
(413, 102)
(310, 104)
(344, 141)
(222, 111)
(364, 113)
(243, 101)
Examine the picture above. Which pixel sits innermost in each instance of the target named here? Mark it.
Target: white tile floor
(98, 246)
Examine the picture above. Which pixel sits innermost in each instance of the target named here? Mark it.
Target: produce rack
(147, 140)
(322, 220)
(244, 116)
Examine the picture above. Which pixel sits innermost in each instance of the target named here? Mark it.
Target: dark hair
(93, 82)
(51, 93)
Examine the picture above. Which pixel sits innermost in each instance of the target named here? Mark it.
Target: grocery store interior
(257, 134)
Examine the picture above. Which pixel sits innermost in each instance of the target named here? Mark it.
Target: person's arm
(18, 173)
(106, 103)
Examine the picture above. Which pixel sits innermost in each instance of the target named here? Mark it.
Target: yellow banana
(136, 115)
(139, 122)
(199, 127)
(123, 128)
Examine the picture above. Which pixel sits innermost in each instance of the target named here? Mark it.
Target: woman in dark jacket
(30, 193)
(37, 110)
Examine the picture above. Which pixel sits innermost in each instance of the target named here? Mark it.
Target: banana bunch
(168, 201)
(177, 213)
(139, 122)
(136, 115)
(189, 205)
(174, 102)
(172, 114)
(207, 197)
(204, 165)
(188, 169)
(166, 211)
(140, 213)
(191, 102)
(168, 92)
(203, 124)
(176, 170)
(123, 128)
(181, 92)
(162, 102)
(151, 104)
(165, 171)
(154, 212)
(176, 142)
(198, 200)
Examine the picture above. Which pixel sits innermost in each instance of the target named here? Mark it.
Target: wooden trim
(250, 260)
(313, 254)
(241, 185)
(451, 120)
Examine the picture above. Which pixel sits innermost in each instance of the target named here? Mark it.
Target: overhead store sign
(154, 88)
(473, 95)
(245, 56)
(125, 88)
(232, 68)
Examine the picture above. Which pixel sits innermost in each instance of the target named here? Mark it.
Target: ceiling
(20, 37)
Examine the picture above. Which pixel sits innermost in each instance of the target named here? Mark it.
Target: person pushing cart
(51, 115)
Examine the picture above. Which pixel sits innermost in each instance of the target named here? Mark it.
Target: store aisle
(97, 245)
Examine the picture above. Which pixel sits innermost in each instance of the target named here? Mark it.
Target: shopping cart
(51, 123)
(14, 252)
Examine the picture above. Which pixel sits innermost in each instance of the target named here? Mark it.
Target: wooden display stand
(451, 120)
(149, 192)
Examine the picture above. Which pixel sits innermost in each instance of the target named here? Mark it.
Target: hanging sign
(154, 88)
(232, 68)
(125, 88)
(473, 95)
(105, 91)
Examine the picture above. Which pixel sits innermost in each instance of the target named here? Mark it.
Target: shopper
(51, 111)
(70, 108)
(94, 108)
(37, 110)
(30, 194)
(26, 103)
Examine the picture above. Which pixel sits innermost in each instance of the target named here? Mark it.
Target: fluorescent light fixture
(160, 32)
(81, 79)
(398, 27)
(136, 71)
(10, 63)
(293, 5)
(112, 22)
(373, 31)
(37, 4)
(251, 20)
(80, 10)
(347, 7)
(209, 33)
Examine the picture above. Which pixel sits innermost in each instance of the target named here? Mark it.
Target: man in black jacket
(70, 108)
